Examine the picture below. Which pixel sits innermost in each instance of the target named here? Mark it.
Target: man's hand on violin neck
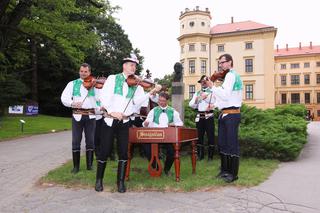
(156, 89)
(76, 104)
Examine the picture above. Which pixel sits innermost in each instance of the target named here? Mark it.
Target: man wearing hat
(119, 100)
(203, 101)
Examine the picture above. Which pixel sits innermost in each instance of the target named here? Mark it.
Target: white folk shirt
(202, 105)
(67, 99)
(98, 112)
(225, 96)
(117, 103)
(163, 119)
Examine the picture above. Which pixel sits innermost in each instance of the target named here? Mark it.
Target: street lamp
(22, 122)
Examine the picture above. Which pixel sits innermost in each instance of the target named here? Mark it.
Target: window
(191, 47)
(307, 98)
(248, 45)
(283, 80)
(192, 66)
(283, 98)
(307, 79)
(192, 90)
(295, 98)
(203, 47)
(191, 24)
(318, 97)
(221, 48)
(295, 80)
(318, 112)
(249, 91)
(306, 65)
(249, 65)
(182, 26)
(318, 78)
(203, 66)
(318, 64)
(295, 66)
(202, 24)
(283, 66)
(182, 47)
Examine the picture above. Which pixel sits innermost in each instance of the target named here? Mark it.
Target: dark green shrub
(278, 133)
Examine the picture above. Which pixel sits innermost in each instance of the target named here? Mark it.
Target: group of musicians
(107, 113)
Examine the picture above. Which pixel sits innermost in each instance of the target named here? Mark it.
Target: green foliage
(67, 33)
(251, 173)
(278, 133)
(11, 92)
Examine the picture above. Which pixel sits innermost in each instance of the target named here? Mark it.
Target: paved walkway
(293, 187)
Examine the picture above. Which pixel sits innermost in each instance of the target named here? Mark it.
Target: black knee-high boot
(224, 165)
(233, 175)
(210, 152)
(76, 162)
(89, 158)
(101, 166)
(200, 152)
(122, 166)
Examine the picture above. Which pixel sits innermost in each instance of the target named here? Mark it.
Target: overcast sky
(147, 21)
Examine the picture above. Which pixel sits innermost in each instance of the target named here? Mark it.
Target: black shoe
(99, 177)
(76, 162)
(122, 166)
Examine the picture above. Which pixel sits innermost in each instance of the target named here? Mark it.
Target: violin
(218, 75)
(91, 82)
(134, 80)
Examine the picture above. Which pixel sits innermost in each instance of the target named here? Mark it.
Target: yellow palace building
(271, 77)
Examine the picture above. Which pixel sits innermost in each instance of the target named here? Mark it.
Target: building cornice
(193, 35)
(246, 32)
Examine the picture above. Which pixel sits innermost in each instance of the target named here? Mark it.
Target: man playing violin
(118, 99)
(203, 101)
(83, 103)
(228, 100)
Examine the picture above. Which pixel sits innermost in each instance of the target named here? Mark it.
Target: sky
(147, 21)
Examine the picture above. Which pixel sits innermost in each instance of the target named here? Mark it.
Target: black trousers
(88, 126)
(97, 136)
(118, 130)
(228, 127)
(206, 126)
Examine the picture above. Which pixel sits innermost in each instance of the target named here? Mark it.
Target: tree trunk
(34, 64)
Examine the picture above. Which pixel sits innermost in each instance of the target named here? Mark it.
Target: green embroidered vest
(207, 90)
(76, 88)
(238, 83)
(157, 111)
(120, 79)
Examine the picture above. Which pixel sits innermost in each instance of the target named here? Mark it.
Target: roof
(237, 26)
(297, 51)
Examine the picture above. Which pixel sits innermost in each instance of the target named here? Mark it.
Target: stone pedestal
(177, 98)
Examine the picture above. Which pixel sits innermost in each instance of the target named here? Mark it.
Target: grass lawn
(252, 172)
(10, 126)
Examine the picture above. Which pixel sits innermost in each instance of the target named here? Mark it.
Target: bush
(278, 133)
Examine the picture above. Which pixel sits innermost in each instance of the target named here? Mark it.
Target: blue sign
(32, 110)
